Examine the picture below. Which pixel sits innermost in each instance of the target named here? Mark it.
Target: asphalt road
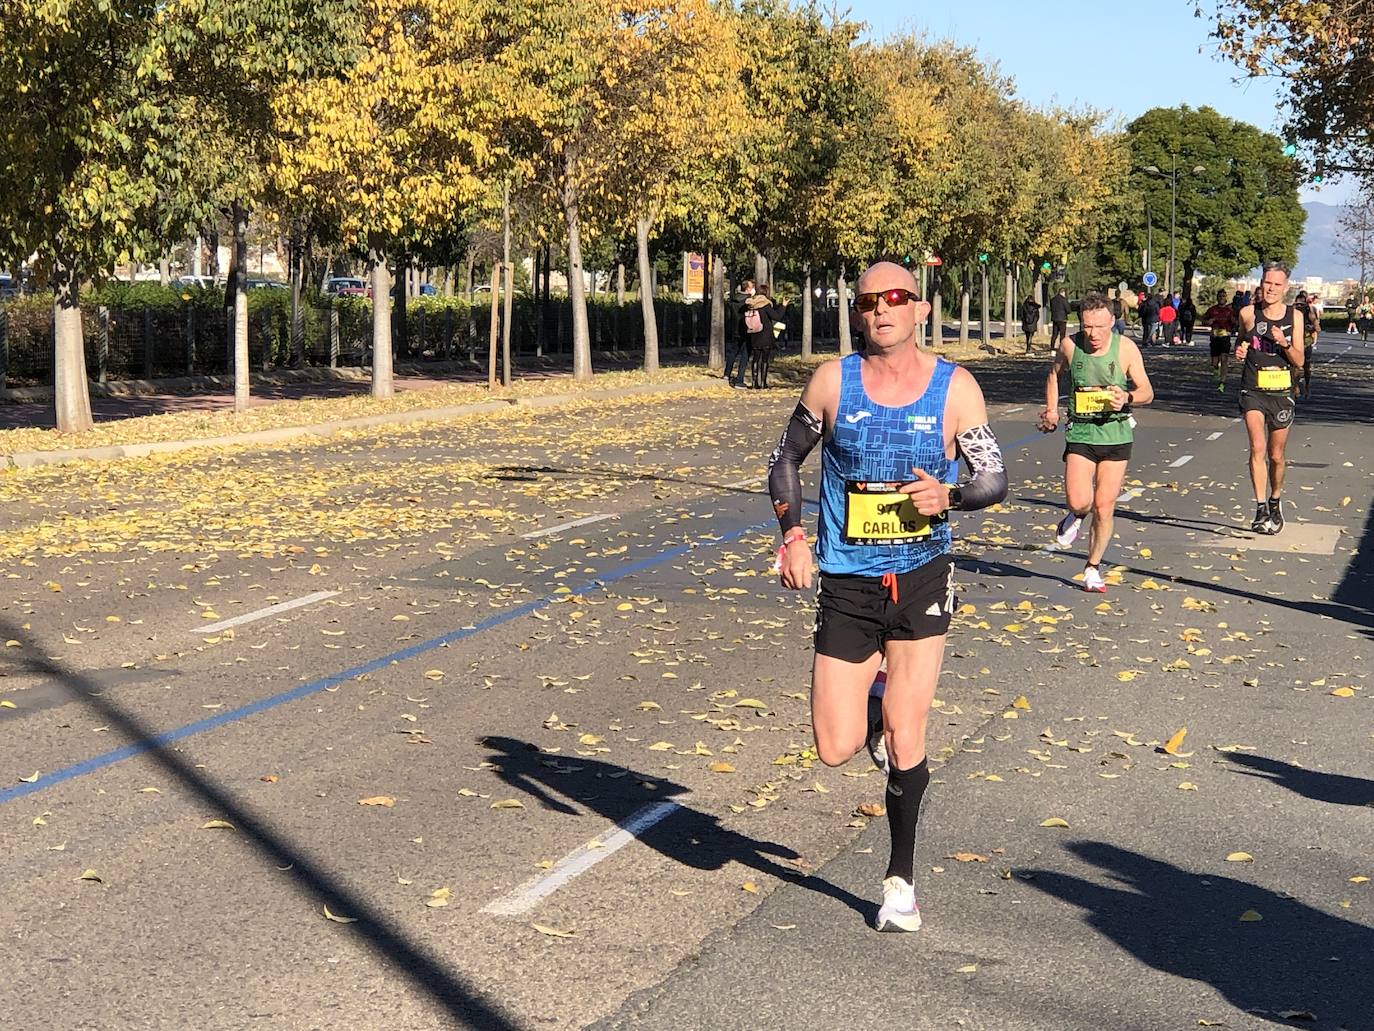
(485, 778)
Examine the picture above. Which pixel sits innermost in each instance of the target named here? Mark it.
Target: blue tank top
(871, 450)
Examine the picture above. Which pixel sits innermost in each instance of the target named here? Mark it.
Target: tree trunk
(646, 297)
(715, 356)
(241, 308)
(468, 281)
(164, 271)
(495, 324)
(383, 384)
(1188, 270)
(1009, 308)
(71, 392)
(842, 290)
(509, 287)
(761, 271)
(620, 284)
(577, 286)
(937, 311)
(212, 267)
(964, 291)
(986, 320)
(806, 326)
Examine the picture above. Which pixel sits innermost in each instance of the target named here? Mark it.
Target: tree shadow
(530, 473)
(426, 972)
(689, 836)
(1188, 925)
(1336, 788)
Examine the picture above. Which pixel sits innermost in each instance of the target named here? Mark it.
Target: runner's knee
(833, 751)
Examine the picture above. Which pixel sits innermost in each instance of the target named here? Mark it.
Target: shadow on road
(1335, 788)
(689, 836)
(426, 972)
(1297, 960)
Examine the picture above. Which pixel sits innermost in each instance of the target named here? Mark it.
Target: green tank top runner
(1089, 372)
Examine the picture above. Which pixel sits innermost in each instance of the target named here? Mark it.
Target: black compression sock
(905, 789)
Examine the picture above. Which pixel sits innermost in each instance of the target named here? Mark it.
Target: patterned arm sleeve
(803, 433)
(988, 484)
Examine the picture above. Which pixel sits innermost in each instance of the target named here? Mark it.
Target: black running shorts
(1277, 408)
(1099, 452)
(856, 616)
(1220, 346)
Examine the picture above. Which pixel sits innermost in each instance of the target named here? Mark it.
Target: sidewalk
(142, 419)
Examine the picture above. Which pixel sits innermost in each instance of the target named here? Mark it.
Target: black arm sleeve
(988, 484)
(784, 475)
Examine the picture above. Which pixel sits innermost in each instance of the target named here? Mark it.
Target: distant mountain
(1317, 255)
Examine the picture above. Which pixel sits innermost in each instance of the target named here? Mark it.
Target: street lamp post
(1172, 176)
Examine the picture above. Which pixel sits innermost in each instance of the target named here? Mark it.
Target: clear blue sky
(1124, 58)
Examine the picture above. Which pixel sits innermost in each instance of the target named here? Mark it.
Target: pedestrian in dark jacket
(1059, 317)
(739, 346)
(1030, 319)
(759, 315)
(1149, 317)
(1187, 316)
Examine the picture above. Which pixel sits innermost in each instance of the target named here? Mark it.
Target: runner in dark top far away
(1221, 317)
(1100, 363)
(891, 421)
(1270, 344)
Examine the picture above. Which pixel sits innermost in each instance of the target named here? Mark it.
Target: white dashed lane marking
(271, 610)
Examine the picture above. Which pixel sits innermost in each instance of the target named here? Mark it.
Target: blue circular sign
(1149, 279)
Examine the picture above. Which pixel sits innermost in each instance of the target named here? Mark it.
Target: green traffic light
(983, 256)
(1290, 149)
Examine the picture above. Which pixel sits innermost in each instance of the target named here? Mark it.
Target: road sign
(1149, 279)
(1123, 286)
(934, 259)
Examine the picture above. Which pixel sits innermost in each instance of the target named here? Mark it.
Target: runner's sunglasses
(869, 301)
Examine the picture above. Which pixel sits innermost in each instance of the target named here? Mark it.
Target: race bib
(878, 513)
(1274, 379)
(1092, 401)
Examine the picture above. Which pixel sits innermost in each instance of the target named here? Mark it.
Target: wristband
(796, 533)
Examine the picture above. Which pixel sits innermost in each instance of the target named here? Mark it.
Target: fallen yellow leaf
(508, 803)
(1343, 692)
(339, 919)
(1054, 821)
(1250, 917)
(216, 825)
(553, 932)
(382, 800)
(1240, 857)
(1021, 702)
(1172, 745)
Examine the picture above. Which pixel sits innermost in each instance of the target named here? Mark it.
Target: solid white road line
(566, 526)
(1181, 461)
(271, 610)
(1013, 411)
(1214, 436)
(579, 861)
(1129, 495)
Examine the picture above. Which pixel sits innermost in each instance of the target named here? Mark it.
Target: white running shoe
(1092, 580)
(899, 911)
(1067, 531)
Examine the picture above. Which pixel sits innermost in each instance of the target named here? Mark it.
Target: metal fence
(161, 342)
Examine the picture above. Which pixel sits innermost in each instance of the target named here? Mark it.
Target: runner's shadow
(309, 871)
(1005, 570)
(1188, 925)
(1206, 525)
(1336, 788)
(689, 836)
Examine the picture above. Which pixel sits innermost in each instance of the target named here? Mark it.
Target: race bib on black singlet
(1273, 379)
(878, 513)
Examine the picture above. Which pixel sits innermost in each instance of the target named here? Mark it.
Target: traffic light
(1290, 150)
(982, 257)
(1045, 266)
(1319, 173)
(906, 260)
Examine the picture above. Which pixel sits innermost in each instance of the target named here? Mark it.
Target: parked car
(345, 286)
(204, 282)
(267, 284)
(355, 291)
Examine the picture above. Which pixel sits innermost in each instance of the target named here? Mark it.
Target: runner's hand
(794, 570)
(1049, 420)
(929, 495)
(1120, 398)
(1241, 348)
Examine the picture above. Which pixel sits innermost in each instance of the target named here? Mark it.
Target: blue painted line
(168, 737)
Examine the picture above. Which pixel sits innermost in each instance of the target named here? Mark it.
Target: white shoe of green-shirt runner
(1092, 580)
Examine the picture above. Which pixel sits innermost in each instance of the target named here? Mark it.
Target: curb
(281, 434)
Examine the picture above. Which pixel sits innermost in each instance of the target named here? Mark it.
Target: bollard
(333, 338)
(147, 344)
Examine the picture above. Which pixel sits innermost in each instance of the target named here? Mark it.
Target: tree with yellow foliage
(405, 142)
